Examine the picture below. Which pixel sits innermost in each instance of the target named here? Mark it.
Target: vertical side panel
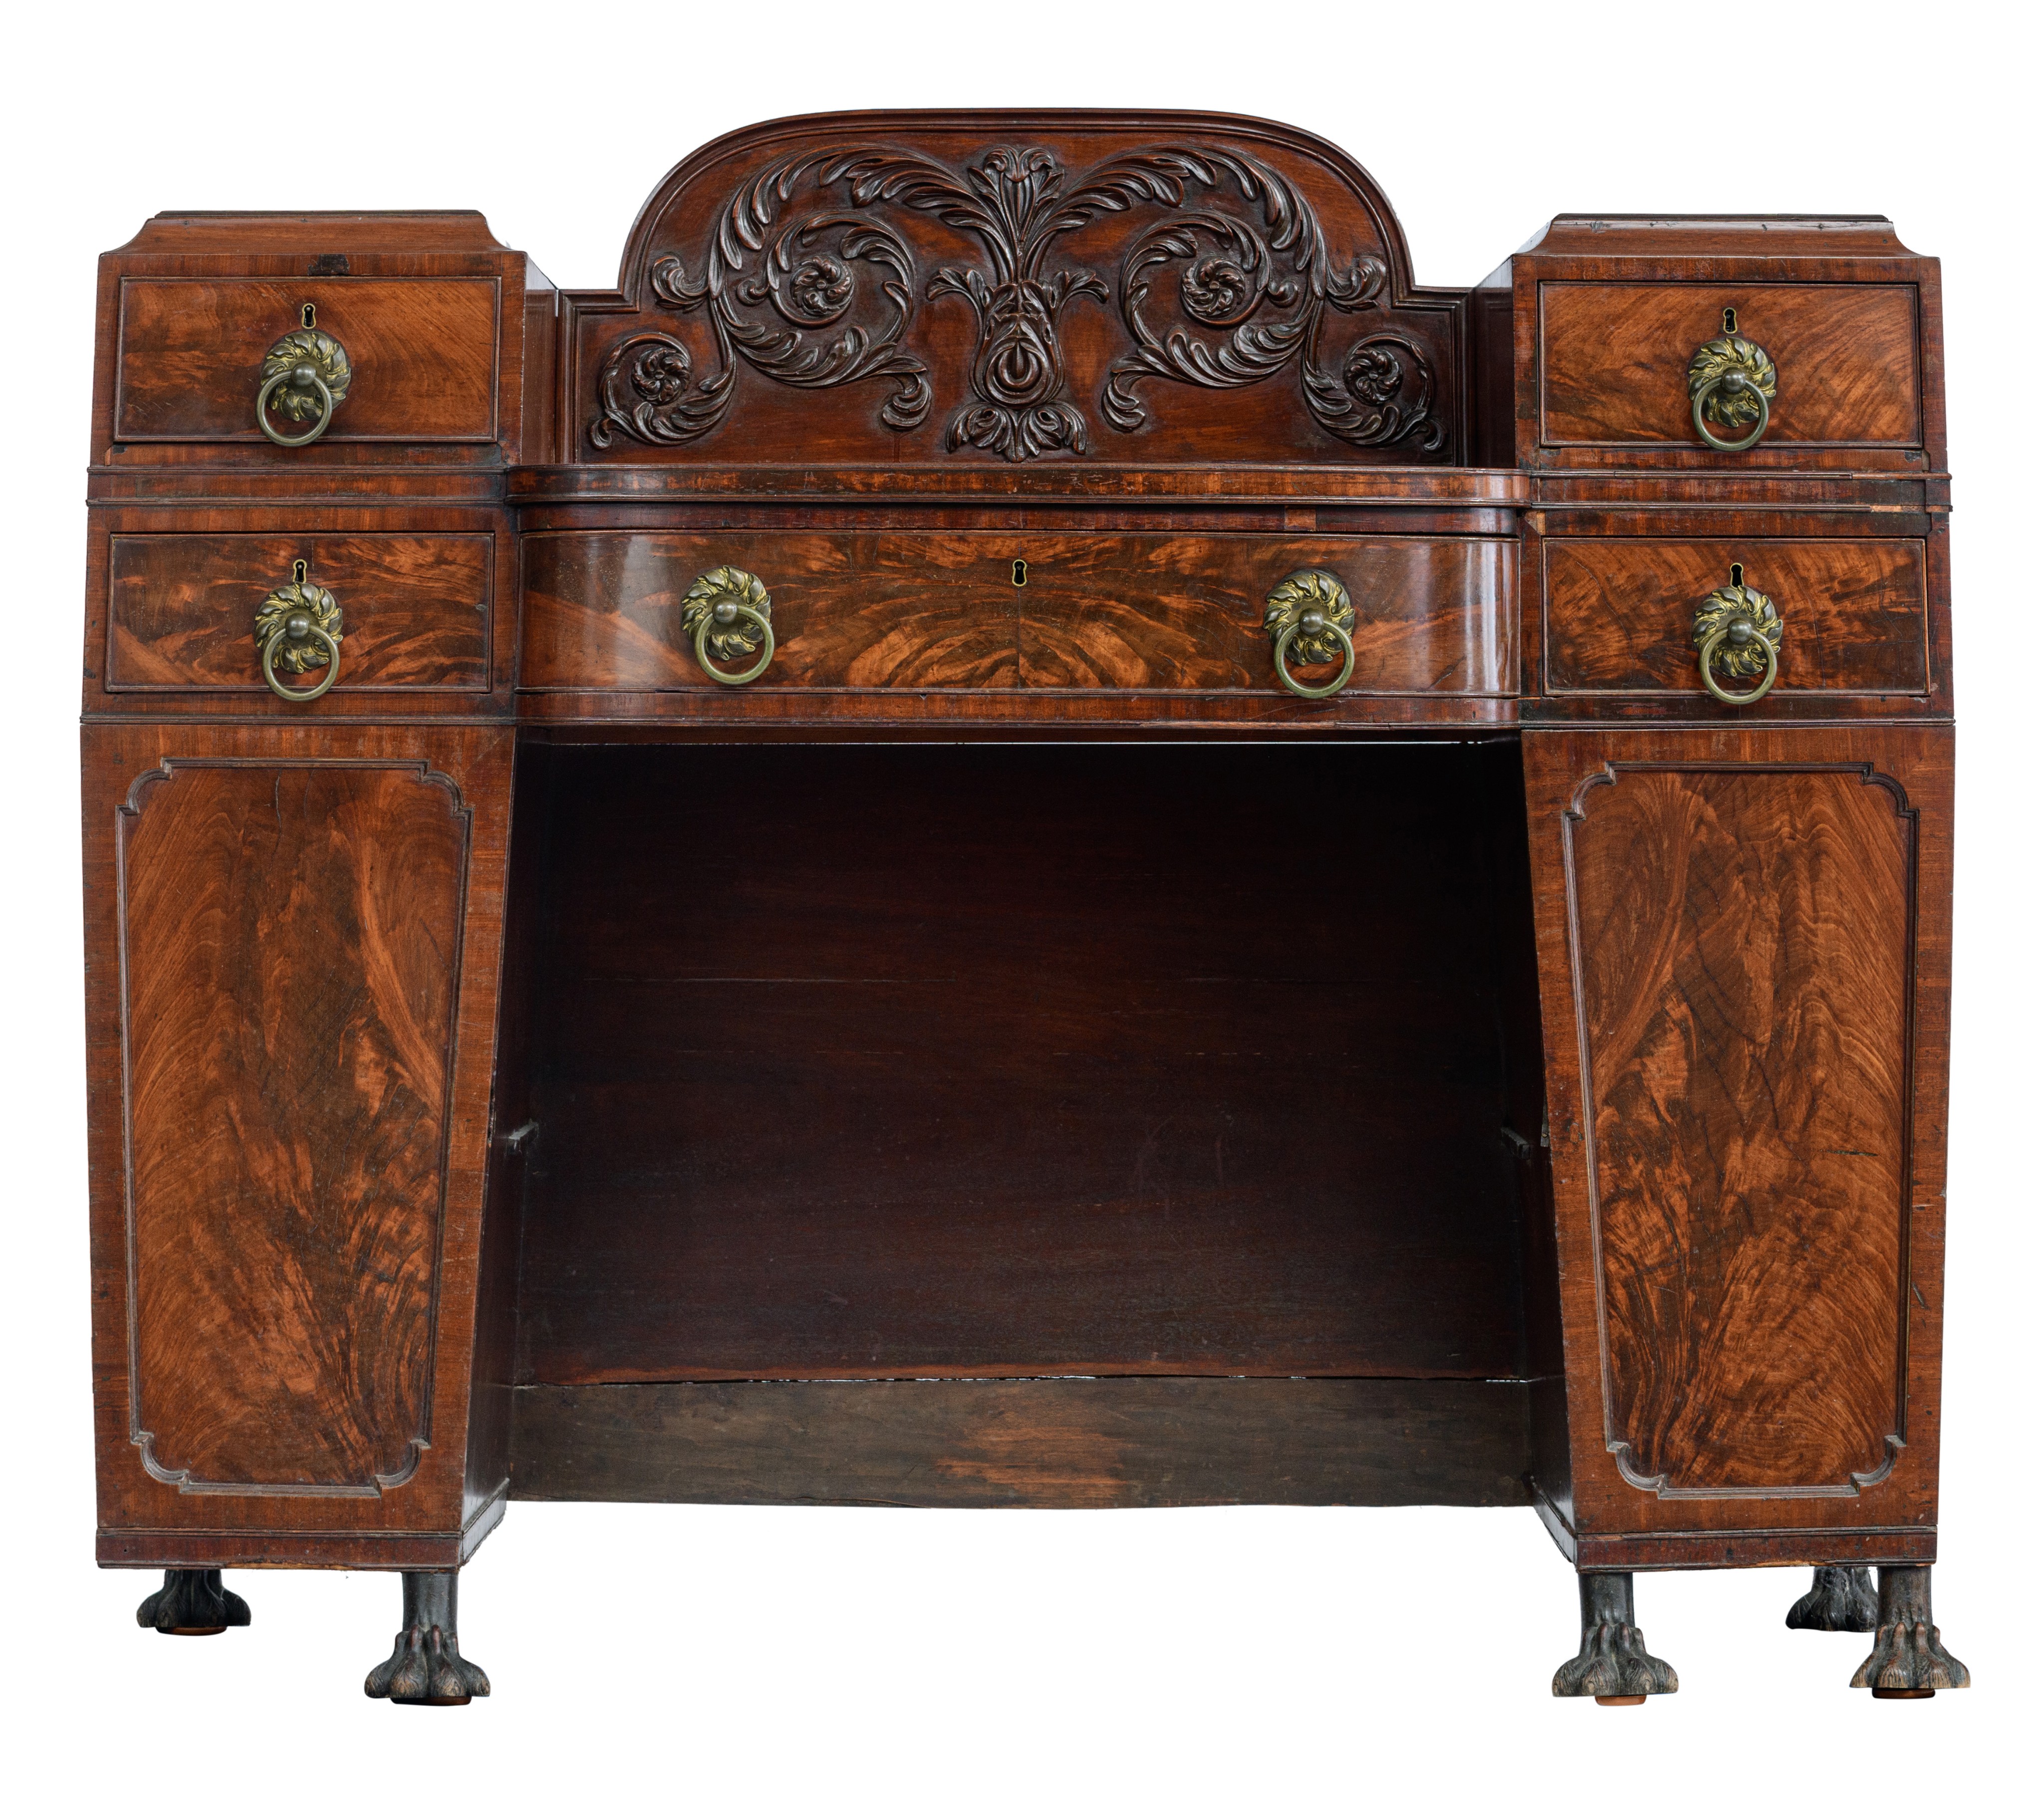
(292, 989)
(290, 947)
(1733, 933)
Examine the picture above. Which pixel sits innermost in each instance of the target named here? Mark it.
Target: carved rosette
(806, 284)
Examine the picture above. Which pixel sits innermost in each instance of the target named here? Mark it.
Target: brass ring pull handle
(1731, 385)
(299, 626)
(305, 376)
(1737, 634)
(728, 613)
(1311, 621)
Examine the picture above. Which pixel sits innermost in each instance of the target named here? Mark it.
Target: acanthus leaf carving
(779, 293)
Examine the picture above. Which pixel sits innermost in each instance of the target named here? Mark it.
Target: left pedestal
(293, 947)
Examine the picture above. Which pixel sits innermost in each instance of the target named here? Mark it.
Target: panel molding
(1573, 817)
(127, 814)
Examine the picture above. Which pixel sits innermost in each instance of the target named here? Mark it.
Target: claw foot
(1908, 1658)
(1614, 1665)
(1840, 1601)
(192, 1602)
(426, 1665)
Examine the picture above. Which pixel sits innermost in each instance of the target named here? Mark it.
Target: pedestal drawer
(1621, 612)
(1841, 359)
(418, 357)
(1130, 611)
(413, 609)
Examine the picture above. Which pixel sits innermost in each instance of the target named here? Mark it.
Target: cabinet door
(1744, 940)
(301, 984)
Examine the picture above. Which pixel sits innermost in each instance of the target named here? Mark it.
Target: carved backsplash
(812, 304)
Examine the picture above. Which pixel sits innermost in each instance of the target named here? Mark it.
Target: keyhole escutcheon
(1020, 572)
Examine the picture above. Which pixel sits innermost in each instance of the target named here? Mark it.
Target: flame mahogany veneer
(1015, 1051)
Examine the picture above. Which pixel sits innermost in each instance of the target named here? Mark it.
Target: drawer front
(1615, 361)
(421, 355)
(1132, 610)
(1620, 611)
(415, 609)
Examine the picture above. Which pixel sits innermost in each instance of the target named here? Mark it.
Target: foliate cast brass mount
(1310, 620)
(1738, 635)
(1731, 385)
(298, 628)
(305, 376)
(728, 614)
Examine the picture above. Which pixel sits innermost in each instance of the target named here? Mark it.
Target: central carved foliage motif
(806, 281)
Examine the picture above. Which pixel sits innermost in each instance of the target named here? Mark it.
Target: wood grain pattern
(602, 609)
(415, 608)
(1619, 611)
(857, 1061)
(1027, 1443)
(1122, 610)
(291, 947)
(423, 353)
(1742, 939)
(1131, 612)
(1614, 357)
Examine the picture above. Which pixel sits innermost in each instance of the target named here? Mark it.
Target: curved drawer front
(421, 358)
(414, 608)
(1131, 610)
(1615, 360)
(1621, 612)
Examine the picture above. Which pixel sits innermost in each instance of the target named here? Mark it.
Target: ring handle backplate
(305, 374)
(729, 614)
(1311, 621)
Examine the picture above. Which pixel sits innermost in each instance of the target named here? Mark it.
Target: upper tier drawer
(417, 359)
(1634, 365)
(611, 609)
(1845, 615)
(409, 612)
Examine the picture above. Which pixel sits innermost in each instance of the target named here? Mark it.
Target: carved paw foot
(426, 1665)
(1908, 1658)
(427, 1668)
(192, 1602)
(1614, 1665)
(1840, 1601)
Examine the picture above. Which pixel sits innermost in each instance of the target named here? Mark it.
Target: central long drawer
(1130, 611)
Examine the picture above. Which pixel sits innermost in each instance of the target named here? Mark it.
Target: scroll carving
(807, 284)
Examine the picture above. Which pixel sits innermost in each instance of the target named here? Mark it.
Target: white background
(1251, 1650)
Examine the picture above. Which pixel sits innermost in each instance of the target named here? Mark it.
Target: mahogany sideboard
(1020, 830)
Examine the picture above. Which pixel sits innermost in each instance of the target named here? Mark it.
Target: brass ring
(1712, 643)
(1704, 430)
(276, 436)
(1285, 641)
(752, 672)
(297, 697)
